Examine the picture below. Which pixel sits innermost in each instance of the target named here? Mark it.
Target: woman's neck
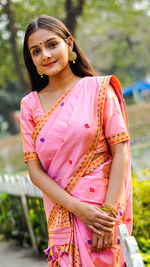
(62, 81)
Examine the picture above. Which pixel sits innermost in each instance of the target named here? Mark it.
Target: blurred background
(115, 36)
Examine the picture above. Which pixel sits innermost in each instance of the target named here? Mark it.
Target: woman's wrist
(109, 209)
(73, 205)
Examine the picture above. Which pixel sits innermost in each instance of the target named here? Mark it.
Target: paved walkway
(13, 255)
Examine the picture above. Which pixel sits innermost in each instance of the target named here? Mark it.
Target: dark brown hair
(81, 68)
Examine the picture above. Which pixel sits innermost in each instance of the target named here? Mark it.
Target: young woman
(76, 146)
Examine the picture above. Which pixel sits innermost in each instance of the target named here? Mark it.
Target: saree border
(89, 155)
(44, 119)
(30, 155)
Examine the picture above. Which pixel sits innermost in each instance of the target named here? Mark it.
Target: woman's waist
(98, 160)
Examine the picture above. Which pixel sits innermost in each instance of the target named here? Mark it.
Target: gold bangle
(111, 208)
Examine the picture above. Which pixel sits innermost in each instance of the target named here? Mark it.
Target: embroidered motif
(117, 138)
(74, 251)
(55, 252)
(42, 140)
(70, 162)
(30, 155)
(97, 163)
(86, 125)
(92, 189)
(114, 114)
(60, 221)
(106, 170)
(128, 220)
(118, 241)
(89, 242)
(121, 213)
(62, 104)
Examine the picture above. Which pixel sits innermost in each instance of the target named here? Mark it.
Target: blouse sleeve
(27, 127)
(114, 126)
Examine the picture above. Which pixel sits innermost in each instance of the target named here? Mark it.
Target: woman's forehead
(41, 36)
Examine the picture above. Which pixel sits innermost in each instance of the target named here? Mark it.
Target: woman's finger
(100, 243)
(95, 230)
(100, 227)
(106, 240)
(100, 214)
(111, 238)
(105, 223)
(94, 241)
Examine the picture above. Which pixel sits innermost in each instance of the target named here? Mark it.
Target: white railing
(21, 186)
(13, 185)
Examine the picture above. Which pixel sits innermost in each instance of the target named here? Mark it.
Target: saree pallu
(85, 121)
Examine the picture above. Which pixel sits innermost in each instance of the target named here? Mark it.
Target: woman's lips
(50, 64)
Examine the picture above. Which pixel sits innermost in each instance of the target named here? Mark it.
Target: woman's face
(49, 52)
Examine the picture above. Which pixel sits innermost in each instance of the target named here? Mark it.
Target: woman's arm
(115, 187)
(89, 214)
(118, 173)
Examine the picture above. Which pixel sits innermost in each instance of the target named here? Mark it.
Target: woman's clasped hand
(98, 221)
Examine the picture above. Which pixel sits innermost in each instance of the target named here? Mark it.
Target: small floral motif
(120, 213)
(62, 104)
(89, 242)
(128, 220)
(92, 189)
(86, 125)
(42, 140)
(118, 241)
(70, 162)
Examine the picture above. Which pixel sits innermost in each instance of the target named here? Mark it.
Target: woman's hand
(94, 218)
(103, 241)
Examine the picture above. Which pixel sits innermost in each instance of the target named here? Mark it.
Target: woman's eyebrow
(50, 39)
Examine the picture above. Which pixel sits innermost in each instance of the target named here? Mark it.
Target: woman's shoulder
(29, 97)
(98, 79)
(97, 82)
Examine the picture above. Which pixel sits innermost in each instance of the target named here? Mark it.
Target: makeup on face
(47, 49)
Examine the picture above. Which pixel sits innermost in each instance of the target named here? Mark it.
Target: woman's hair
(81, 68)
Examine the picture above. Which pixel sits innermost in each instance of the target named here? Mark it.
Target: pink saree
(86, 120)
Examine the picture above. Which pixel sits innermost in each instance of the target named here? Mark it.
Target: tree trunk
(13, 43)
(72, 12)
(9, 117)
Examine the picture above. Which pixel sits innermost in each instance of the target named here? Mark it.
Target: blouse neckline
(59, 99)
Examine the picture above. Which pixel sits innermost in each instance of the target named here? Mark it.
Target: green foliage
(141, 215)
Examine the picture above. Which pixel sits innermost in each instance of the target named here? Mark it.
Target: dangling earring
(72, 56)
(40, 73)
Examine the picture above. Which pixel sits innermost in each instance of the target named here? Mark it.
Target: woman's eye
(35, 52)
(52, 45)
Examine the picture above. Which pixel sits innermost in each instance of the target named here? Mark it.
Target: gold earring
(40, 73)
(72, 56)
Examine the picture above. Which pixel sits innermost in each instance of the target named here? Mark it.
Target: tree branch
(72, 12)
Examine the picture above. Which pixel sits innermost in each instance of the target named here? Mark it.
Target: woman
(76, 146)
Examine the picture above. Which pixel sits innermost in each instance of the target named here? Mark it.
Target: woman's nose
(45, 54)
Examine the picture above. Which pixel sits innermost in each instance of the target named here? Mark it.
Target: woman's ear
(70, 42)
